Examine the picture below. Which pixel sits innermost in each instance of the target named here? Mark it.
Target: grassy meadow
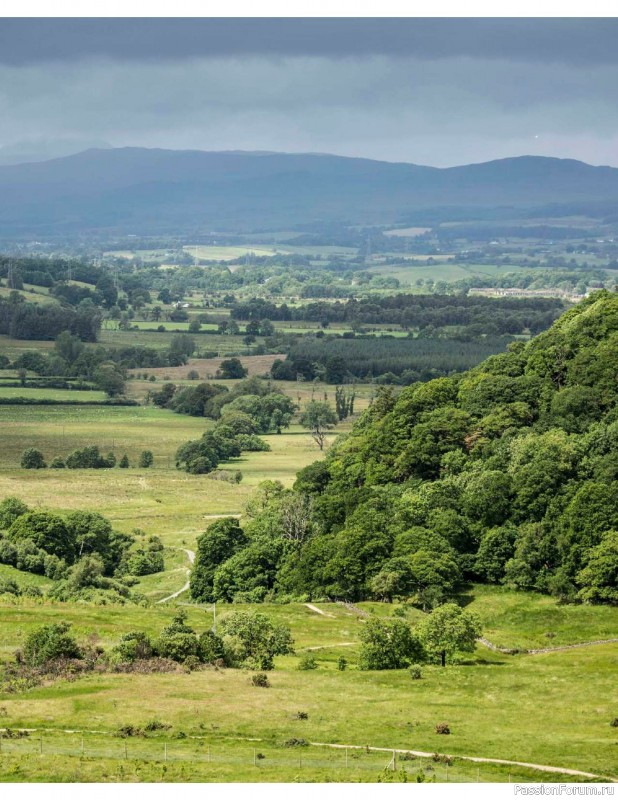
(514, 707)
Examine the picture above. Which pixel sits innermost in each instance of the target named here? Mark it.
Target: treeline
(507, 474)
(23, 320)
(389, 360)
(487, 315)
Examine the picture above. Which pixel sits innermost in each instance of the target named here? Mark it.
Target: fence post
(165, 752)
(346, 757)
(125, 750)
(41, 746)
(254, 758)
(209, 754)
(82, 745)
(394, 761)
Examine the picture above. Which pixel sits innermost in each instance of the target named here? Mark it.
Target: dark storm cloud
(567, 41)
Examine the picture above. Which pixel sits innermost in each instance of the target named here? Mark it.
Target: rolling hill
(142, 191)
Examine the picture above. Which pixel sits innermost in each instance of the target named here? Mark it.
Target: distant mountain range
(144, 191)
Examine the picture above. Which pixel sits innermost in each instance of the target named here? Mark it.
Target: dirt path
(540, 651)
(317, 610)
(191, 557)
(475, 759)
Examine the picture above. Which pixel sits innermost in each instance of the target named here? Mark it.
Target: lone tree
(388, 645)
(231, 368)
(252, 640)
(319, 418)
(146, 459)
(448, 629)
(109, 380)
(33, 459)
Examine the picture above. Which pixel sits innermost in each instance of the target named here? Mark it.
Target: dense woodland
(507, 473)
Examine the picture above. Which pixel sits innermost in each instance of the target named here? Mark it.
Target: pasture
(505, 707)
(499, 706)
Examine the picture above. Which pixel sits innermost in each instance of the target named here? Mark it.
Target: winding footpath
(191, 557)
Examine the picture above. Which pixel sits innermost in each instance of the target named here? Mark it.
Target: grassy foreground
(553, 709)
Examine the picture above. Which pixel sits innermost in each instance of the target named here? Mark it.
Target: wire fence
(363, 763)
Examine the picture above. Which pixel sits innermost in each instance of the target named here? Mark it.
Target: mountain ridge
(144, 190)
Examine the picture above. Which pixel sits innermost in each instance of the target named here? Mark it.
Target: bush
(415, 672)
(87, 458)
(388, 645)
(134, 646)
(302, 715)
(260, 679)
(156, 725)
(124, 462)
(57, 463)
(146, 459)
(48, 643)
(614, 722)
(307, 661)
(252, 640)
(342, 663)
(294, 742)
(10, 509)
(33, 459)
(145, 562)
(443, 728)
(210, 647)
(125, 731)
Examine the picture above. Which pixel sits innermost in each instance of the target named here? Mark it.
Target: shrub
(294, 742)
(145, 562)
(10, 509)
(57, 463)
(415, 672)
(191, 663)
(133, 646)
(307, 661)
(443, 728)
(125, 731)
(87, 458)
(146, 459)
(388, 645)
(156, 725)
(302, 715)
(614, 722)
(50, 642)
(260, 679)
(342, 663)
(210, 647)
(252, 640)
(124, 462)
(192, 375)
(178, 646)
(33, 459)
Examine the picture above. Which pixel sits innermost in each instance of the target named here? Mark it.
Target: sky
(439, 92)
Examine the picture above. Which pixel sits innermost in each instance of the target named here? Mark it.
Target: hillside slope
(507, 473)
(137, 190)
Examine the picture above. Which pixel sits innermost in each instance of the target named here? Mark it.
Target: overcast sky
(438, 92)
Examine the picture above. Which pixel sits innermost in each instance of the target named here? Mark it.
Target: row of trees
(83, 458)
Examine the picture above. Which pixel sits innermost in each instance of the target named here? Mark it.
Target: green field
(514, 707)
(505, 707)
